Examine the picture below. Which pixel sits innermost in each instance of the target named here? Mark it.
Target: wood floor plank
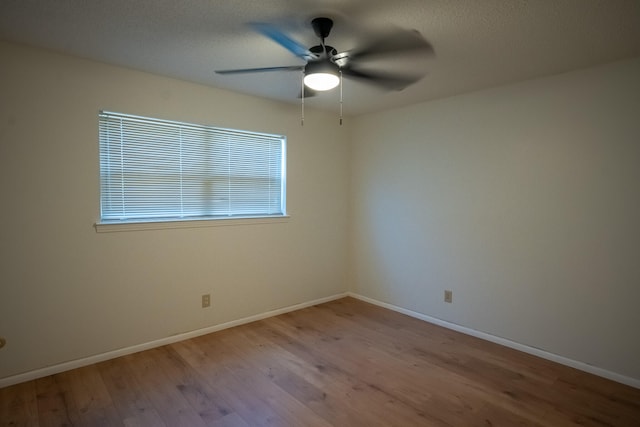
(424, 369)
(272, 401)
(392, 373)
(55, 406)
(92, 401)
(366, 398)
(18, 406)
(129, 399)
(210, 403)
(343, 363)
(450, 347)
(510, 389)
(488, 377)
(162, 392)
(306, 382)
(217, 365)
(290, 374)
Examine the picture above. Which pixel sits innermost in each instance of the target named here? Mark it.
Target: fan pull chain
(302, 97)
(340, 97)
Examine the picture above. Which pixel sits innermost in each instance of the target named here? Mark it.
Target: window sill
(110, 227)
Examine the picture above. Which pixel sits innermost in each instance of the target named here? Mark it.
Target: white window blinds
(155, 170)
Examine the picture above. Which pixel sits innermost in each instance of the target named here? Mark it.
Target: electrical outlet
(206, 300)
(3, 342)
(448, 296)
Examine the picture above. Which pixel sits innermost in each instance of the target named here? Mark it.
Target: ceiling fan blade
(384, 80)
(261, 70)
(398, 41)
(283, 40)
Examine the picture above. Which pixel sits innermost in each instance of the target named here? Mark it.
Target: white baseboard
(633, 382)
(78, 363)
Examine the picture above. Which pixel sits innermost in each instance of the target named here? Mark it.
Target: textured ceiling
(478, 44)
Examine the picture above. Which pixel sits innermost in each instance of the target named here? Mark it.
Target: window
(158, 170)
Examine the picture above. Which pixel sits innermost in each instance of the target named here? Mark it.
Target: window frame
(196, 221)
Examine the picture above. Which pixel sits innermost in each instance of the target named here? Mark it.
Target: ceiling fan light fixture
(321, 81)
(321, 75)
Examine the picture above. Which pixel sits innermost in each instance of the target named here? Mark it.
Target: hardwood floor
(344, 363)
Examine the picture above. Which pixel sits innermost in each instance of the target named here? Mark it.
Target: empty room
(320, 213)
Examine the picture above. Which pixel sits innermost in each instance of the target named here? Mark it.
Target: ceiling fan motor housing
(320, 51)
(321, 66)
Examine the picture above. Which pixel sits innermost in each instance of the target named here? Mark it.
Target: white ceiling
(478, 43)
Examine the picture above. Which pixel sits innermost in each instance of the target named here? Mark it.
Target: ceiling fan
(324, 66)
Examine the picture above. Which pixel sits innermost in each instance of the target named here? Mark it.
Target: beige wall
(524, 200)
(68, 292)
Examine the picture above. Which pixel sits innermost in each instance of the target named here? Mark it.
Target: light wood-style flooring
(343, 363)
